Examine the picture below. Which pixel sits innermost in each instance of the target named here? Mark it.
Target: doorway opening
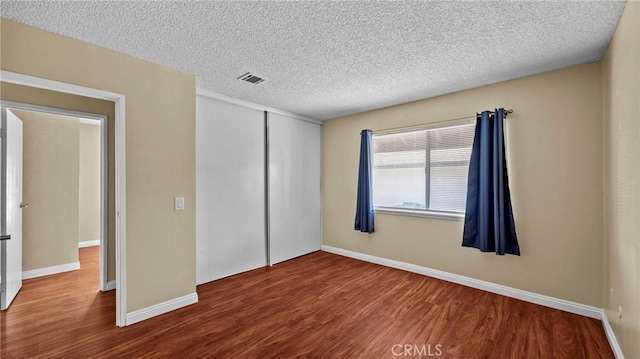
(65, 190)
(119, 159)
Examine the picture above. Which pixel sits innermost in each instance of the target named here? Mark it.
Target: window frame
(414, 212)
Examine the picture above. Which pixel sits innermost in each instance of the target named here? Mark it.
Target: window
(423, 171)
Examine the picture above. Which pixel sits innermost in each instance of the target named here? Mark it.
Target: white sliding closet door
(294, 187)
(230, 189)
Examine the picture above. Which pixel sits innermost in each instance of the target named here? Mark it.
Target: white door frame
(120, 168)
(104, 165)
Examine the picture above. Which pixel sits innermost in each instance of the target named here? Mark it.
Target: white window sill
(454, 216)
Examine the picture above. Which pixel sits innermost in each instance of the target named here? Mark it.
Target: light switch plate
(178, 204)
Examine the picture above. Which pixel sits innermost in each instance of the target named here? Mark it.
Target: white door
(295, 153)
(11, 208)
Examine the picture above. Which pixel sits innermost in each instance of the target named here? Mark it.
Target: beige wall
(62, 187)
(28, 95)
(50, 187)
(554, 152)
(89, 182)
(621, 93)
(160, 158)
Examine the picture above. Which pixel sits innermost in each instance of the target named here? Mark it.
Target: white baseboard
(95, 242)
(41, 272)
(160, 308)
(556, 303)
(111, 285)
(611, 337)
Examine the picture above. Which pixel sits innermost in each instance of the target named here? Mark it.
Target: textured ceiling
(328, 59)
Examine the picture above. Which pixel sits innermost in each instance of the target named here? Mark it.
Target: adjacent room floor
(317, 306)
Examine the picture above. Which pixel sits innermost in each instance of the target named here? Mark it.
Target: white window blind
(423, 169)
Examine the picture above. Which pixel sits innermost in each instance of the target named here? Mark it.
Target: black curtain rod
(431, 125)
(506, 112)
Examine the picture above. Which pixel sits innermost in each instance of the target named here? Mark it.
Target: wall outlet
(619, 312)
(178, 204)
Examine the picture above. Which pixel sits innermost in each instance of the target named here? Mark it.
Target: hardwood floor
(317, 306)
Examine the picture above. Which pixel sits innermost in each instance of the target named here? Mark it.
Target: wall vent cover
(248, 77)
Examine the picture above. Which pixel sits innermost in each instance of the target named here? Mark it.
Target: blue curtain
(364, 208)
(488, 223)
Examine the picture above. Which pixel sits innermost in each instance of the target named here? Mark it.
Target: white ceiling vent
(251, 78)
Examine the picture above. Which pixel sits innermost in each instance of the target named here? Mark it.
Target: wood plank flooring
(317, 306)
